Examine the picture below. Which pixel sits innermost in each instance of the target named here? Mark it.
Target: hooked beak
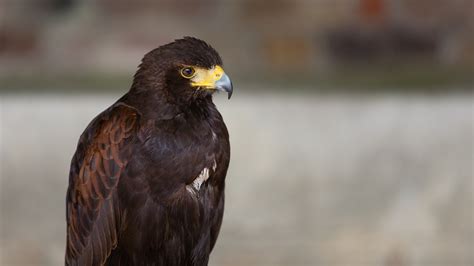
(225, 84)
(212, 79)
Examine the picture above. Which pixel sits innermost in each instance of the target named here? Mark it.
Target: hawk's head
(183, 71)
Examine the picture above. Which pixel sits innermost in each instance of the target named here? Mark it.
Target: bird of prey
(146, 184)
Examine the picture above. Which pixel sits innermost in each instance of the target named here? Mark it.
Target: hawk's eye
(188, 72)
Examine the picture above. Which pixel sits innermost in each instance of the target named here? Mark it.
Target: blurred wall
(330, 180)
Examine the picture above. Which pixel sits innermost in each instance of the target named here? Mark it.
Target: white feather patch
(200, 179)
(214, 166)
(214, 136)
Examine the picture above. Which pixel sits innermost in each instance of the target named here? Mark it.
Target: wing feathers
(97, 166)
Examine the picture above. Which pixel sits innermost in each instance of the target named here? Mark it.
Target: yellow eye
(188, 72)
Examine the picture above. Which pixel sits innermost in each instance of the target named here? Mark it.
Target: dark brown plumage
(146, 184)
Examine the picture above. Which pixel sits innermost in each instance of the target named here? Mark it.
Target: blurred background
(351, 122)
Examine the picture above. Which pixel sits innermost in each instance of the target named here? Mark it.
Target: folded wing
(93, 211)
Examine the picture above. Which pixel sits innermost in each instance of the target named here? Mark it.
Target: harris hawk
(146, 184)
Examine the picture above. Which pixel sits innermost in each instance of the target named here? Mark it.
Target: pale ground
(314, 179)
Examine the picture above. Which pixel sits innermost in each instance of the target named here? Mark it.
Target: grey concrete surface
(314, 179)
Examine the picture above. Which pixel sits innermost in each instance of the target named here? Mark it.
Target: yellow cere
(206, 78)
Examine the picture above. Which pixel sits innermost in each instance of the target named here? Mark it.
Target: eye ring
(188, 72)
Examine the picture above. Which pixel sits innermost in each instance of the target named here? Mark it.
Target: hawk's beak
(212, 79)
(225, 84)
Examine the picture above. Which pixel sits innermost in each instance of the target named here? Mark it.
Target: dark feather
(92, 190)
(131, 198)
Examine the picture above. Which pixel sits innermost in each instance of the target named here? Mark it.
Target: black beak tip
(230, 91)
